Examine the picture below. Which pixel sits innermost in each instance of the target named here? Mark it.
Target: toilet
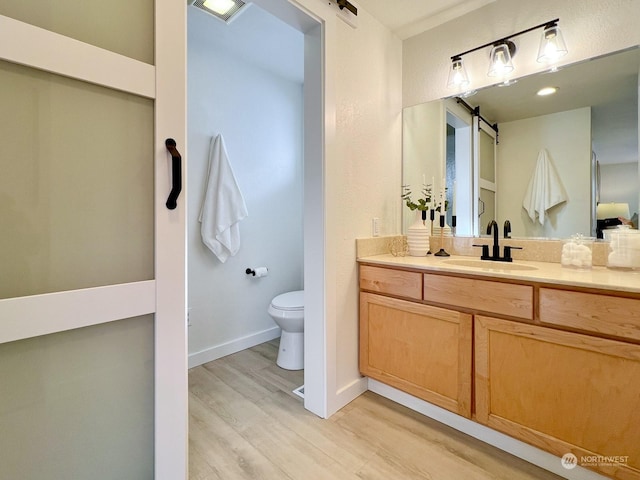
(287, 310)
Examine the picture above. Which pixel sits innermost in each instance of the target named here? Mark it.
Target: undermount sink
(489, 264)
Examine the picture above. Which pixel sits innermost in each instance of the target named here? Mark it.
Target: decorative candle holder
(432, 216)
(442, 252)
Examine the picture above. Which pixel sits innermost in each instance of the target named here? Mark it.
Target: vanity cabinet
(561, 391)
(558, 368)
(420, 349)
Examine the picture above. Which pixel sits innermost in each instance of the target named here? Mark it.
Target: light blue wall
(244, 82)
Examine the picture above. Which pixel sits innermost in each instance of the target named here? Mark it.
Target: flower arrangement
(423, 202)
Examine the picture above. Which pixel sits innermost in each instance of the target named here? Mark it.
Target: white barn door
(93, 372)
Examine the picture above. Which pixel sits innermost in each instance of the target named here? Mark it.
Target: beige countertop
(530, 271)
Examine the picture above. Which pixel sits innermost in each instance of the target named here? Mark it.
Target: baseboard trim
(508, 444)
(233, 346)
(347, 394)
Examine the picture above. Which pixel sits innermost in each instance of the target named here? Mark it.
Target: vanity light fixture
(501, 63)
(543, 92)
(552, 47)
(458, 74)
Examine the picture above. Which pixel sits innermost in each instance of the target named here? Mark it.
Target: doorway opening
(270, 113)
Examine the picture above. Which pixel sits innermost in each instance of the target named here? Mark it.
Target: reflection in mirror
(588, 131)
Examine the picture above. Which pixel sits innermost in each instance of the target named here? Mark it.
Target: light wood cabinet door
(563, 392)
(422, 350)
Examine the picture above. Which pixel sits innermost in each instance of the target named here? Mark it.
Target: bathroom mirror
(588, 129)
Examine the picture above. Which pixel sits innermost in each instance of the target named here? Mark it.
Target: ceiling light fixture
(543, 92)
(225, 10)
(219, 6)
(552, 47)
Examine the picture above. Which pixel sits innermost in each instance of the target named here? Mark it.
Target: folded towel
(545, 189)
(223, 206)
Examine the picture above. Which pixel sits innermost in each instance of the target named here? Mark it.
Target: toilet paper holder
(261, 271)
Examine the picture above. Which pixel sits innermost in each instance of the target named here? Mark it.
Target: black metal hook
(248, 271)
(176, 171)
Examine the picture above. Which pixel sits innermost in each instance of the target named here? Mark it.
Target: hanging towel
(223, 206)
(545, 189)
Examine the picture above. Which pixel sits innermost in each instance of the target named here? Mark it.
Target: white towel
(223, 206)
(545, 189)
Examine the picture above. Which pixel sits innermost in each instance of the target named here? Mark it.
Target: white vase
(418, 237)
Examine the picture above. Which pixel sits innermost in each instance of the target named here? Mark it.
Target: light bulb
(457, 75)
(500, 61)
(552, 45)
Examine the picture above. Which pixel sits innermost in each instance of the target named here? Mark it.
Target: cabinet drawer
(591, 312)
(482, 295)
(390, 281)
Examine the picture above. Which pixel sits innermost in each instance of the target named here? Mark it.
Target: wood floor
(245, 423)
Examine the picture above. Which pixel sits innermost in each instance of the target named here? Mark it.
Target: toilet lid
(289, 301)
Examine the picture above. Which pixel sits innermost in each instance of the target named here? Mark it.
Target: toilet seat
(290, 301)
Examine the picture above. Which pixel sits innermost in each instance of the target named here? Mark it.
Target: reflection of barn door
(92, 295)
(485, 181)
(459, 165)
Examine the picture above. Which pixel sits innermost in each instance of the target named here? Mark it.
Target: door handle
(176, 173)
(481, 207)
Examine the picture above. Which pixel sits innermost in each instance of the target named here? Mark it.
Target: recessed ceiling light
(547, 91)
(225, 10)
(219, 6)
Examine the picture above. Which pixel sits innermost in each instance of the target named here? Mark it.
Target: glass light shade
(500, 63)
(458, 74)
(552, 45)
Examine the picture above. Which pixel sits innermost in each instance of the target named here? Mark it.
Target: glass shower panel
(121, 26)
(79, 404)
(76, 187)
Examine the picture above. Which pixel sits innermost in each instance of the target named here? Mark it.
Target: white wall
(257, 106)
(567, 138)
(364, 173)
(620, 184)
(423, 144)
(590, 28)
